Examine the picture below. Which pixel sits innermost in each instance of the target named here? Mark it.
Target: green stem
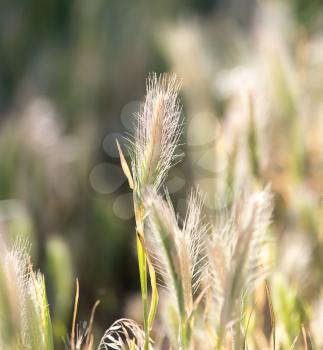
(143, 284)
(184, 334)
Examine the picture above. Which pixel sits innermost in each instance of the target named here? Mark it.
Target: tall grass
(152, 154)
(208, 267)
(228, 259)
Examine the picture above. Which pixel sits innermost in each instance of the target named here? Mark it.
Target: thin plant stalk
(142, 264)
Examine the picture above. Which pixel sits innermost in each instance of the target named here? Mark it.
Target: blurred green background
(68, 71)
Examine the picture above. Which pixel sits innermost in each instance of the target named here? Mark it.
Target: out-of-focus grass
(267, 101)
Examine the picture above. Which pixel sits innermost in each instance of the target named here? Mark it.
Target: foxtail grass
(199, 266)
(206, 267)
(25, 320)
(177, 254)
(152, 152)
(238, 260)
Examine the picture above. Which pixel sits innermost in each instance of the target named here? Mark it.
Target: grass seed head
(158, 131)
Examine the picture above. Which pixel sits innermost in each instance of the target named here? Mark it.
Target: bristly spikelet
(237, 254)
(258, 262)
(177, 253)
(23, 298)
(162, 230)
(14, 271)
(194, 234)
(158, 131)
(39, 327)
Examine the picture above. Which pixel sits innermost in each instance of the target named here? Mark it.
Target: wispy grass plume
(237, 257)
(24, 321)
(177, 253)
(152, 152)
(157, 133)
